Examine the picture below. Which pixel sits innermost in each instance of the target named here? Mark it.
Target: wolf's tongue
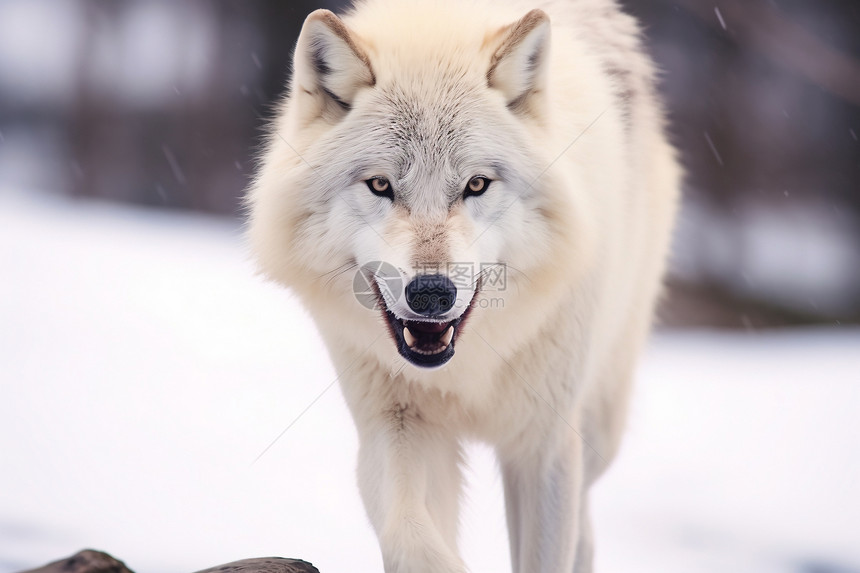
(427, 327)
(444, 340)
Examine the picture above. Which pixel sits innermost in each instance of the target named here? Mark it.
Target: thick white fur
(431, 93)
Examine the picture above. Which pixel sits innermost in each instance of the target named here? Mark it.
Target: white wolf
(437, 136)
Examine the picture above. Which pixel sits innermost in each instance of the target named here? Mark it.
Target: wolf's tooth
(407, 336)
(448, 336)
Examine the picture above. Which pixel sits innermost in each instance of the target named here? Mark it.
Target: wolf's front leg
(542, 497)
(409, 476)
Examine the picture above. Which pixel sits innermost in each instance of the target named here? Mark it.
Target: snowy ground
(143, 368)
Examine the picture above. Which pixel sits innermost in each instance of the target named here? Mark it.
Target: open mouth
(425, 343)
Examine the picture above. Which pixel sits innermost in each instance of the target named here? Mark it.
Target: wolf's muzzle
(426, 340)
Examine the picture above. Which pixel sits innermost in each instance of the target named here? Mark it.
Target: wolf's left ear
(329, 64)
(518, 66)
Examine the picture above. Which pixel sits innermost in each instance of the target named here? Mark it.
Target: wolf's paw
(428, 566)
(419, 550)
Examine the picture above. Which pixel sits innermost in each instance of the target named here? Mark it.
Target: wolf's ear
(518, 66)
(329, 64)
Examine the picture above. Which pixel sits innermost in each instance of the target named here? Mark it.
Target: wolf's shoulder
(604, 26)
(615, 39)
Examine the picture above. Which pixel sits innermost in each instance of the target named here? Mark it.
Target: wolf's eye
(380, 186)
(476, 186)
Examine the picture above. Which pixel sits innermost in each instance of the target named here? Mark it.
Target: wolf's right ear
(329, 65)
(518, 66)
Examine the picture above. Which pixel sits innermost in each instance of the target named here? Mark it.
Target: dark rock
(89, 561)
(86, 561)
(264, 565)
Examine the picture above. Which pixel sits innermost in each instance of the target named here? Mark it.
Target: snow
(143, 368)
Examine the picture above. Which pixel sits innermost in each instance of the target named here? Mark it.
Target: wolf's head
(411, 159)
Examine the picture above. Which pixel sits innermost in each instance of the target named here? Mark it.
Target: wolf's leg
(409, 476)
(542, 493)
(585, 547)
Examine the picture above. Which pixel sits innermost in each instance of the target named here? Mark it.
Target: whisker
(348, 263)
(347, 268)
(484, 271)
(524, 275)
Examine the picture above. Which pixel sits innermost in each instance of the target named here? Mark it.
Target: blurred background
(148, 379)
(161, 103)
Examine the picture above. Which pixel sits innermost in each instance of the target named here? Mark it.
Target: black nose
(431, 295)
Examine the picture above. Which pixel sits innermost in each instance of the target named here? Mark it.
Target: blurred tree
(168, 100)
(764, 103)
(189, 146)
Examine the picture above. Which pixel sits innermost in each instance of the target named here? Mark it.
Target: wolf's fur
(557, 106)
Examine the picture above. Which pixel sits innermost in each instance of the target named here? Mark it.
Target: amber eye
(476, 186)
(380, 186)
